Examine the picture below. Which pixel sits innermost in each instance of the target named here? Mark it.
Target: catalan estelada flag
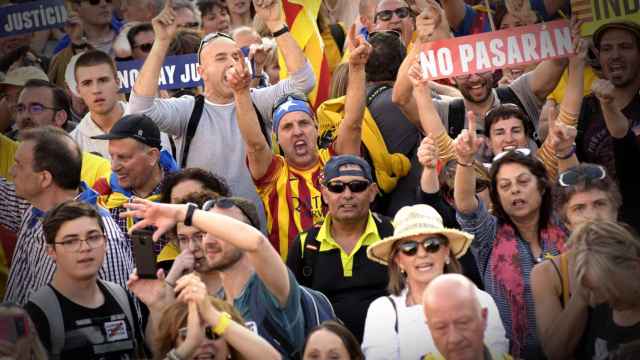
(301, 18)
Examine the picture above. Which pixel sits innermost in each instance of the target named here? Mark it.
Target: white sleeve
(380, 340)
(495, 337)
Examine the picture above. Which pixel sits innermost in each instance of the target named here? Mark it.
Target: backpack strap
(564, 270)
(506, 95)
(118, 293)
(375, 91)
(395, 310)
(338, 35)
(45, 298)
(310, 247)
(267, 329)
(456, 117)
(383, 224)
(194, 120)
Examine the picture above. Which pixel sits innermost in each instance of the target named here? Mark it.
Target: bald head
(455, 317)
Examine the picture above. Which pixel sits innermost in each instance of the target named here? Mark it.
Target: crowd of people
(488, 216)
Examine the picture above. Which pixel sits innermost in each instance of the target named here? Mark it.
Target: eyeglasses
(431, 245)
(386, 15)
(210, 37)
(33, 108)
(355, 186)
(588, 172)
(228, 203)
(191, 25)
(92, 241)
(97, 2)
(521, 151)
(208, 333)
(197, 238)
(144, 47)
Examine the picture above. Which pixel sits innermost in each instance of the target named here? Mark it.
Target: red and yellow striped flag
(301, 18)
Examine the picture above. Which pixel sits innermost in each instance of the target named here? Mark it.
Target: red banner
(495, 50)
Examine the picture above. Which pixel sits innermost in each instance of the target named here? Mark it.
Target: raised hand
(151, 292)
(467, 143)
(165, 25)
(195, 333)
(603, 90)
(270, 11)
(429, 20)
(258, 53)
(359, 48)
(238, 76)
(416, 75)
(561, 136)
(580, 45)
(428, 152)
(191, 288)
(162, 216)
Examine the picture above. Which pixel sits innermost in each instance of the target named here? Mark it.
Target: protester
(585, 193)
(46, 173)
(140, 39)
(606, 257)
(181, 334)
(216, 129)
(215, 16)
(10, 88)
(524, 227)
(420, 250)
(253, 275)
(450, 301)
(241, 12)
(40, 103)
(338, 267)
(27, 344)
(395, 15)
(331, 340)
(75, 304)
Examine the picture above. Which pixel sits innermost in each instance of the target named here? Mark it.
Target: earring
(402, 272)
(447, 261)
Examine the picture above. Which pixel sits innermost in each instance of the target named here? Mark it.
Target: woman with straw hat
(420, 249)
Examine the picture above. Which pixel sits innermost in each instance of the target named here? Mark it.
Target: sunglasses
(431, 245)
(355, 186)
(386, 15)
(228, 203)
(144, 47)
(521, 151)
(208, 333)
(589, 172)
(210, 37)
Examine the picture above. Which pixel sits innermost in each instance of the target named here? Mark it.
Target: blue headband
(291, 105)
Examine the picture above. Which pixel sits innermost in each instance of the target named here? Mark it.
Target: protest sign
(32, 16)
(596, 13)
(495, 50)
(177, 72)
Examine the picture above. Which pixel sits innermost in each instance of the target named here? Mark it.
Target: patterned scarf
(506, 266)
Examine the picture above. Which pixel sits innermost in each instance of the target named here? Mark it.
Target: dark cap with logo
(332, 169)
(136, 126)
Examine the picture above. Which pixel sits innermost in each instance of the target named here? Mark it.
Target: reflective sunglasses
(355, 186)
(588, 172)
(208, 333)
(144, 47)
(431, 245)
(33, 108)
(210, 37)
(521, 151)
(386, 15)
(227, 203)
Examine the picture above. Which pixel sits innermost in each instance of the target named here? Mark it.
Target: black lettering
(613, 5)
(631, 6)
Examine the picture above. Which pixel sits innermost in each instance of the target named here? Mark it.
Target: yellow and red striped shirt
(291, 199)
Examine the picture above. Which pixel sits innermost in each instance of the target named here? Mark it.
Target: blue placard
(32, 16)
(177, 72)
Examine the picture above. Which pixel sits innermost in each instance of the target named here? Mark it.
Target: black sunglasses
(356, 186)
(210, 37)
(431, 245)
(227, 203)
(144, 47)
(386, 15)
(589, 172)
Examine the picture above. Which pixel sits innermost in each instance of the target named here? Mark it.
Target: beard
(229, 258)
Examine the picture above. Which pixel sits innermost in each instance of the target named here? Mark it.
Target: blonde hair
(610, 254)
(339, 81)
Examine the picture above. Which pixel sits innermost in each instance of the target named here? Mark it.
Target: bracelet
(223, 323)
(465, 165)
(173, 355)
(569, 154)
(283, 30)
(188, 218)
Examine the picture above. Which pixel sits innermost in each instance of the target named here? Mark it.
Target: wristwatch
(188, 219)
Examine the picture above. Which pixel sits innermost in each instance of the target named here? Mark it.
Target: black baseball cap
(332, 167)
(136, 126)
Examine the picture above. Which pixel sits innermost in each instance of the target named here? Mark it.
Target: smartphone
(13, 327)
(143, 254)
(250, 64)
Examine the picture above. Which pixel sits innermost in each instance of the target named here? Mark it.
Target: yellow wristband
(223, 323)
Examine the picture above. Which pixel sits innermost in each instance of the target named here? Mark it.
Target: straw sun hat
(418, 220)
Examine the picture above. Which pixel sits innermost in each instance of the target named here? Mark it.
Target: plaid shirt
(31, 266)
